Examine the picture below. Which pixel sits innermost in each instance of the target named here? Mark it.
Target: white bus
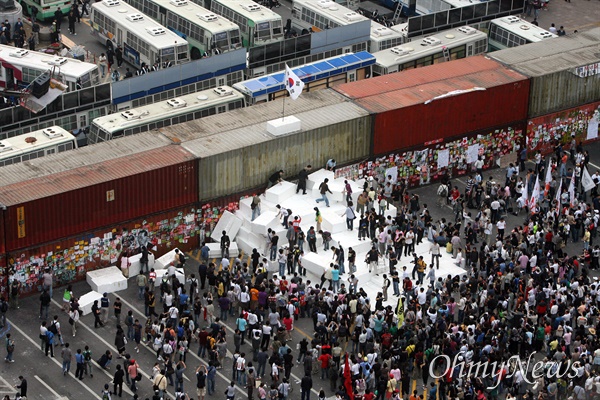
(20, 67)
(157, 115)
(513, 31)
(443, 46)
(206, 32)
(258, 24)
(35, 144)
(144, 41)
(317, 15)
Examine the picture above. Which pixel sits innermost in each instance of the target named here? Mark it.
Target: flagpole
(283, 112)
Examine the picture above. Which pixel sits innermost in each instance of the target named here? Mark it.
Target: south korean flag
(293, 84)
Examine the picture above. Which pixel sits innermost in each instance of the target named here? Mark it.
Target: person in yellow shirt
(421, 265)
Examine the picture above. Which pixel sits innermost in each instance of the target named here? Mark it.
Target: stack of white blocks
(136, 266)
(252, 234)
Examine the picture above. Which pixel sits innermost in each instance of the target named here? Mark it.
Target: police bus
(443, 46)
(115, 22)
(258, 24)
(36, 144)
(513, 31)
(164, 113)
(206, 32)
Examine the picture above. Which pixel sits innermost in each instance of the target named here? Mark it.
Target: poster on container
(443, 159)
(393, 172)
(472, 153)
(592, 130)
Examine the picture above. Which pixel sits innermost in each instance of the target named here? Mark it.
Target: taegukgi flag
(293, 84)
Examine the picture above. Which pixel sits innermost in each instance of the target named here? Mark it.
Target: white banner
(586, 180)
(592, 130)
(443, 158)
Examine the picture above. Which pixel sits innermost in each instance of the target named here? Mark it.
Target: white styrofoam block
(280, 192)
(300, 207)
(336, 187)
(99, 273)
(273, 266)
(283, 126)
(254, 237)
(246, 244)
(333, 222)
(136, 266)
(391, 211)
(228, 223)
(245, 207)
(107, 280)
(179, 274)
(264, 221)
(315, 179)
(316, 263)
(215, 250)
(164, 261)
(87, 301)
(350, 239)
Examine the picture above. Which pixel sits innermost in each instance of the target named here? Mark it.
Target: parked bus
(45, 8)
(443, 46)
(35, 144)
(206, 32)
(144, 41)
(157, 115)
(258, 24)
(513, 31)
(20, 67)
(317, 15)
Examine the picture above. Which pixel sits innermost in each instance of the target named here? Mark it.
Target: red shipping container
(441, 101)
(70, 202)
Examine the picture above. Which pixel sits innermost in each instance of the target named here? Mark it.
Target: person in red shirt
(324, 358)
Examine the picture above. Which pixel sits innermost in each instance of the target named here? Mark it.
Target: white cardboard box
(87, 301)
(316, 263)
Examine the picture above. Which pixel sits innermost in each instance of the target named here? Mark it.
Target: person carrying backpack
(442, 193)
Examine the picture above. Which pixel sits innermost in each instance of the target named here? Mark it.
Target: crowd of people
(521, 294)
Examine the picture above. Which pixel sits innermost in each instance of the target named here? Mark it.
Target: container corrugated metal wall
(445, 101)
(562, 90)
(227, 167)
(68, 268)
(558, 68)
(83, 199)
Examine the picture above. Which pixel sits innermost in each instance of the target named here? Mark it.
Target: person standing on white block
(324, 189)
(350, 216)
(225, 243)
(348, 191)
(255, 206)
(302, 178)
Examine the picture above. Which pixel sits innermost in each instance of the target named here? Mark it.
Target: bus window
(263, 30)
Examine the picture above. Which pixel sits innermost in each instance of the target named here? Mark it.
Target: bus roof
(420, 47)
(198, 15)
(138, 24)
(334, 11)
(34, 140)
(251, 10)
(307, 73)
(42, 61)
(522, 28)
(172, 107)
(380, 32)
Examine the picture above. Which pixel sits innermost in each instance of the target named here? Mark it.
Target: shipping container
(70, 193)
(70, 258)
(237, 153)
(563, 71)
(440, 102)
(579, 122)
